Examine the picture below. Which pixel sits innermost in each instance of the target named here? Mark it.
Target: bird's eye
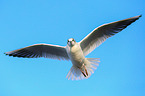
(70, 40)
(73, 39)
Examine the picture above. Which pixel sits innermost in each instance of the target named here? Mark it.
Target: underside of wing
(100, 34)
(41, 50)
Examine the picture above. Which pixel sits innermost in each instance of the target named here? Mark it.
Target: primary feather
(41, 50)
(100, 34)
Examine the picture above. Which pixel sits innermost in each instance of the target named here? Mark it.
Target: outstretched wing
(100, 34)
(41, 50)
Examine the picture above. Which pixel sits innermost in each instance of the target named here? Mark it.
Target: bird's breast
(76, 55)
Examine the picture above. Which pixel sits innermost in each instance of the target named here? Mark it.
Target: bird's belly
(77, 59)
(76, 55)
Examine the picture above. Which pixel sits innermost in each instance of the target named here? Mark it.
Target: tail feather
(76, 74)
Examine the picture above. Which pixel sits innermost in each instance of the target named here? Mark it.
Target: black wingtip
(137, 17)
(7, 54)
(140, 15)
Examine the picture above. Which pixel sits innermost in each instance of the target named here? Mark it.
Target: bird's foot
(86, 72)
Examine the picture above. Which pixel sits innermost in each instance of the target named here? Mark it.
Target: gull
(82, 67)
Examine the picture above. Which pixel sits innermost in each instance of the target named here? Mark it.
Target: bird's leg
(82, 72)
(86, 70)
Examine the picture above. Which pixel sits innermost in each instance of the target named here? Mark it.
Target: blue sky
(25, 22)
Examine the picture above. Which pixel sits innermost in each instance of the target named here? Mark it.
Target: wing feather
(40, 50)
(100, 34)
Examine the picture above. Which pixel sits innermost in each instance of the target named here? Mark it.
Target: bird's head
(71, 42)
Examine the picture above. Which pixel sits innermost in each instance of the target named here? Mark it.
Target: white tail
(76, 74)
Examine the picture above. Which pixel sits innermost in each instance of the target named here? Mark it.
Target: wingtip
(5, 53)
(138, 16)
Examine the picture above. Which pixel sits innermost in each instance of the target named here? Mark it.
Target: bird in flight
(82, 67)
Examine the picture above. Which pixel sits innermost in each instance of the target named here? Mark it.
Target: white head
(71, 42)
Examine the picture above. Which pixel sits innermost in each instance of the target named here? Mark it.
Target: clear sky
(25, 22)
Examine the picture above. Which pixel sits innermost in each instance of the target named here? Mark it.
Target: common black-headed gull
(76, 51)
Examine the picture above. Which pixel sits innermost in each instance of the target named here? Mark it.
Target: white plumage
(82, 67)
